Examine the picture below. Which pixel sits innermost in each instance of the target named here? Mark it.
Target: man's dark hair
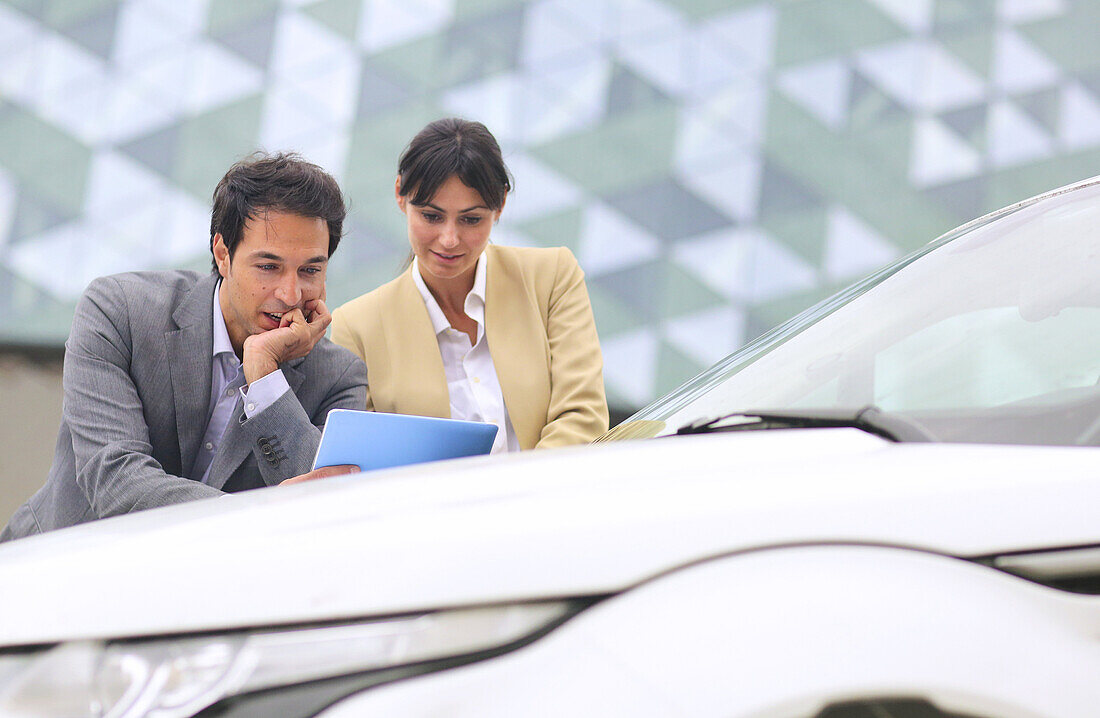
(284, 182)
(454, 147)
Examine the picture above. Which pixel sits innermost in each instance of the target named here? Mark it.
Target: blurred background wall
(716, 165)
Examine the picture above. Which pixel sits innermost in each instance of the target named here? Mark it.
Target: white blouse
(472, 382)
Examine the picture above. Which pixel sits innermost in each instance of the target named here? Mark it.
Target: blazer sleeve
(289, 430)
(111, 445)
(577, 412)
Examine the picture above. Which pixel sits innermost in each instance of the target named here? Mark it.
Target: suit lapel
(293, 375)
(420, 382)
(506, 327)
(189, 359)
(233, 450)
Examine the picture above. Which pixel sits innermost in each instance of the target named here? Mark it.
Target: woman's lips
(447, 258)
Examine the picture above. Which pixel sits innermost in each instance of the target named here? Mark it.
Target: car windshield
(991, 333)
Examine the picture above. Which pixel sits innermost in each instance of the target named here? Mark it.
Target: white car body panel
(784, 632)
(582, 521)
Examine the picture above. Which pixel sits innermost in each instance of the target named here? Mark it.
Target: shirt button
(251, 407)
(209, 446)
(229, 392)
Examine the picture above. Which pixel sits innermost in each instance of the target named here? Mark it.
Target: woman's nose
(449, 236)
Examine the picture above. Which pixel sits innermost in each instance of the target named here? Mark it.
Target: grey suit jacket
(136, 398)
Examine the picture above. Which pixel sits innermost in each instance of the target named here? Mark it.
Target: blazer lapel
(232, 451)
(509, 328)
(293, 375)
(189, 359)
(420, 382)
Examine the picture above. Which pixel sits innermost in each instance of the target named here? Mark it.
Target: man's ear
(221, 255)
(401, 199)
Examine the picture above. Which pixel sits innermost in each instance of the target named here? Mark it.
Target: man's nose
(289, 291)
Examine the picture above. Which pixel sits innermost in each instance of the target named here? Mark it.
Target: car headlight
(177, 677)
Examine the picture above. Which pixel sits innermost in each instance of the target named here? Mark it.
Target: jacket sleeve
(115, 467)
(577, 412)
(290, 434)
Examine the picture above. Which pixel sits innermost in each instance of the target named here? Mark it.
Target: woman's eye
(471, 220)
(430, 217)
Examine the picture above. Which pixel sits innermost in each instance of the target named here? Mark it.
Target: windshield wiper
(870, 419)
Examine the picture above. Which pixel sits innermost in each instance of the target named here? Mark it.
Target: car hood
(589, 520)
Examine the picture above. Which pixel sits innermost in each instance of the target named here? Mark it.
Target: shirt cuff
(263, 392)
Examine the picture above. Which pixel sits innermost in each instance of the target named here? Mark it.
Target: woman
(473, 330)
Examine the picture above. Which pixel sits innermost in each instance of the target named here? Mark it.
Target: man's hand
(322, 473)
(295, 337)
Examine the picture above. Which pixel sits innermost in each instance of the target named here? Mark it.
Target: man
(179, 386)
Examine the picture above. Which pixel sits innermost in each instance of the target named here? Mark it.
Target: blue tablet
(375, 440)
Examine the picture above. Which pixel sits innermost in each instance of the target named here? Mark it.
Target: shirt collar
(475, 300)
(222, 343)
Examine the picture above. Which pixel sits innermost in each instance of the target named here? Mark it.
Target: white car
(888, 507)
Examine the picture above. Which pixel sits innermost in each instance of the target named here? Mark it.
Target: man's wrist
(257, 367)
(263, 392)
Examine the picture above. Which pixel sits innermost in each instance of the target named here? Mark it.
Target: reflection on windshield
(990, 334)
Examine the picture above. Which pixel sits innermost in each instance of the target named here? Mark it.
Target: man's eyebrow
(443, 211)
(261, 254)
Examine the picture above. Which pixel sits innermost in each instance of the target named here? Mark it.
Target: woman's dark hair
(284, 182)
(454, 147)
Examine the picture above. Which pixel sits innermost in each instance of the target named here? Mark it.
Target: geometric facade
(715, 165)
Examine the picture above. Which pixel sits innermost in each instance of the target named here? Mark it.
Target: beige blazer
(541, 334)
